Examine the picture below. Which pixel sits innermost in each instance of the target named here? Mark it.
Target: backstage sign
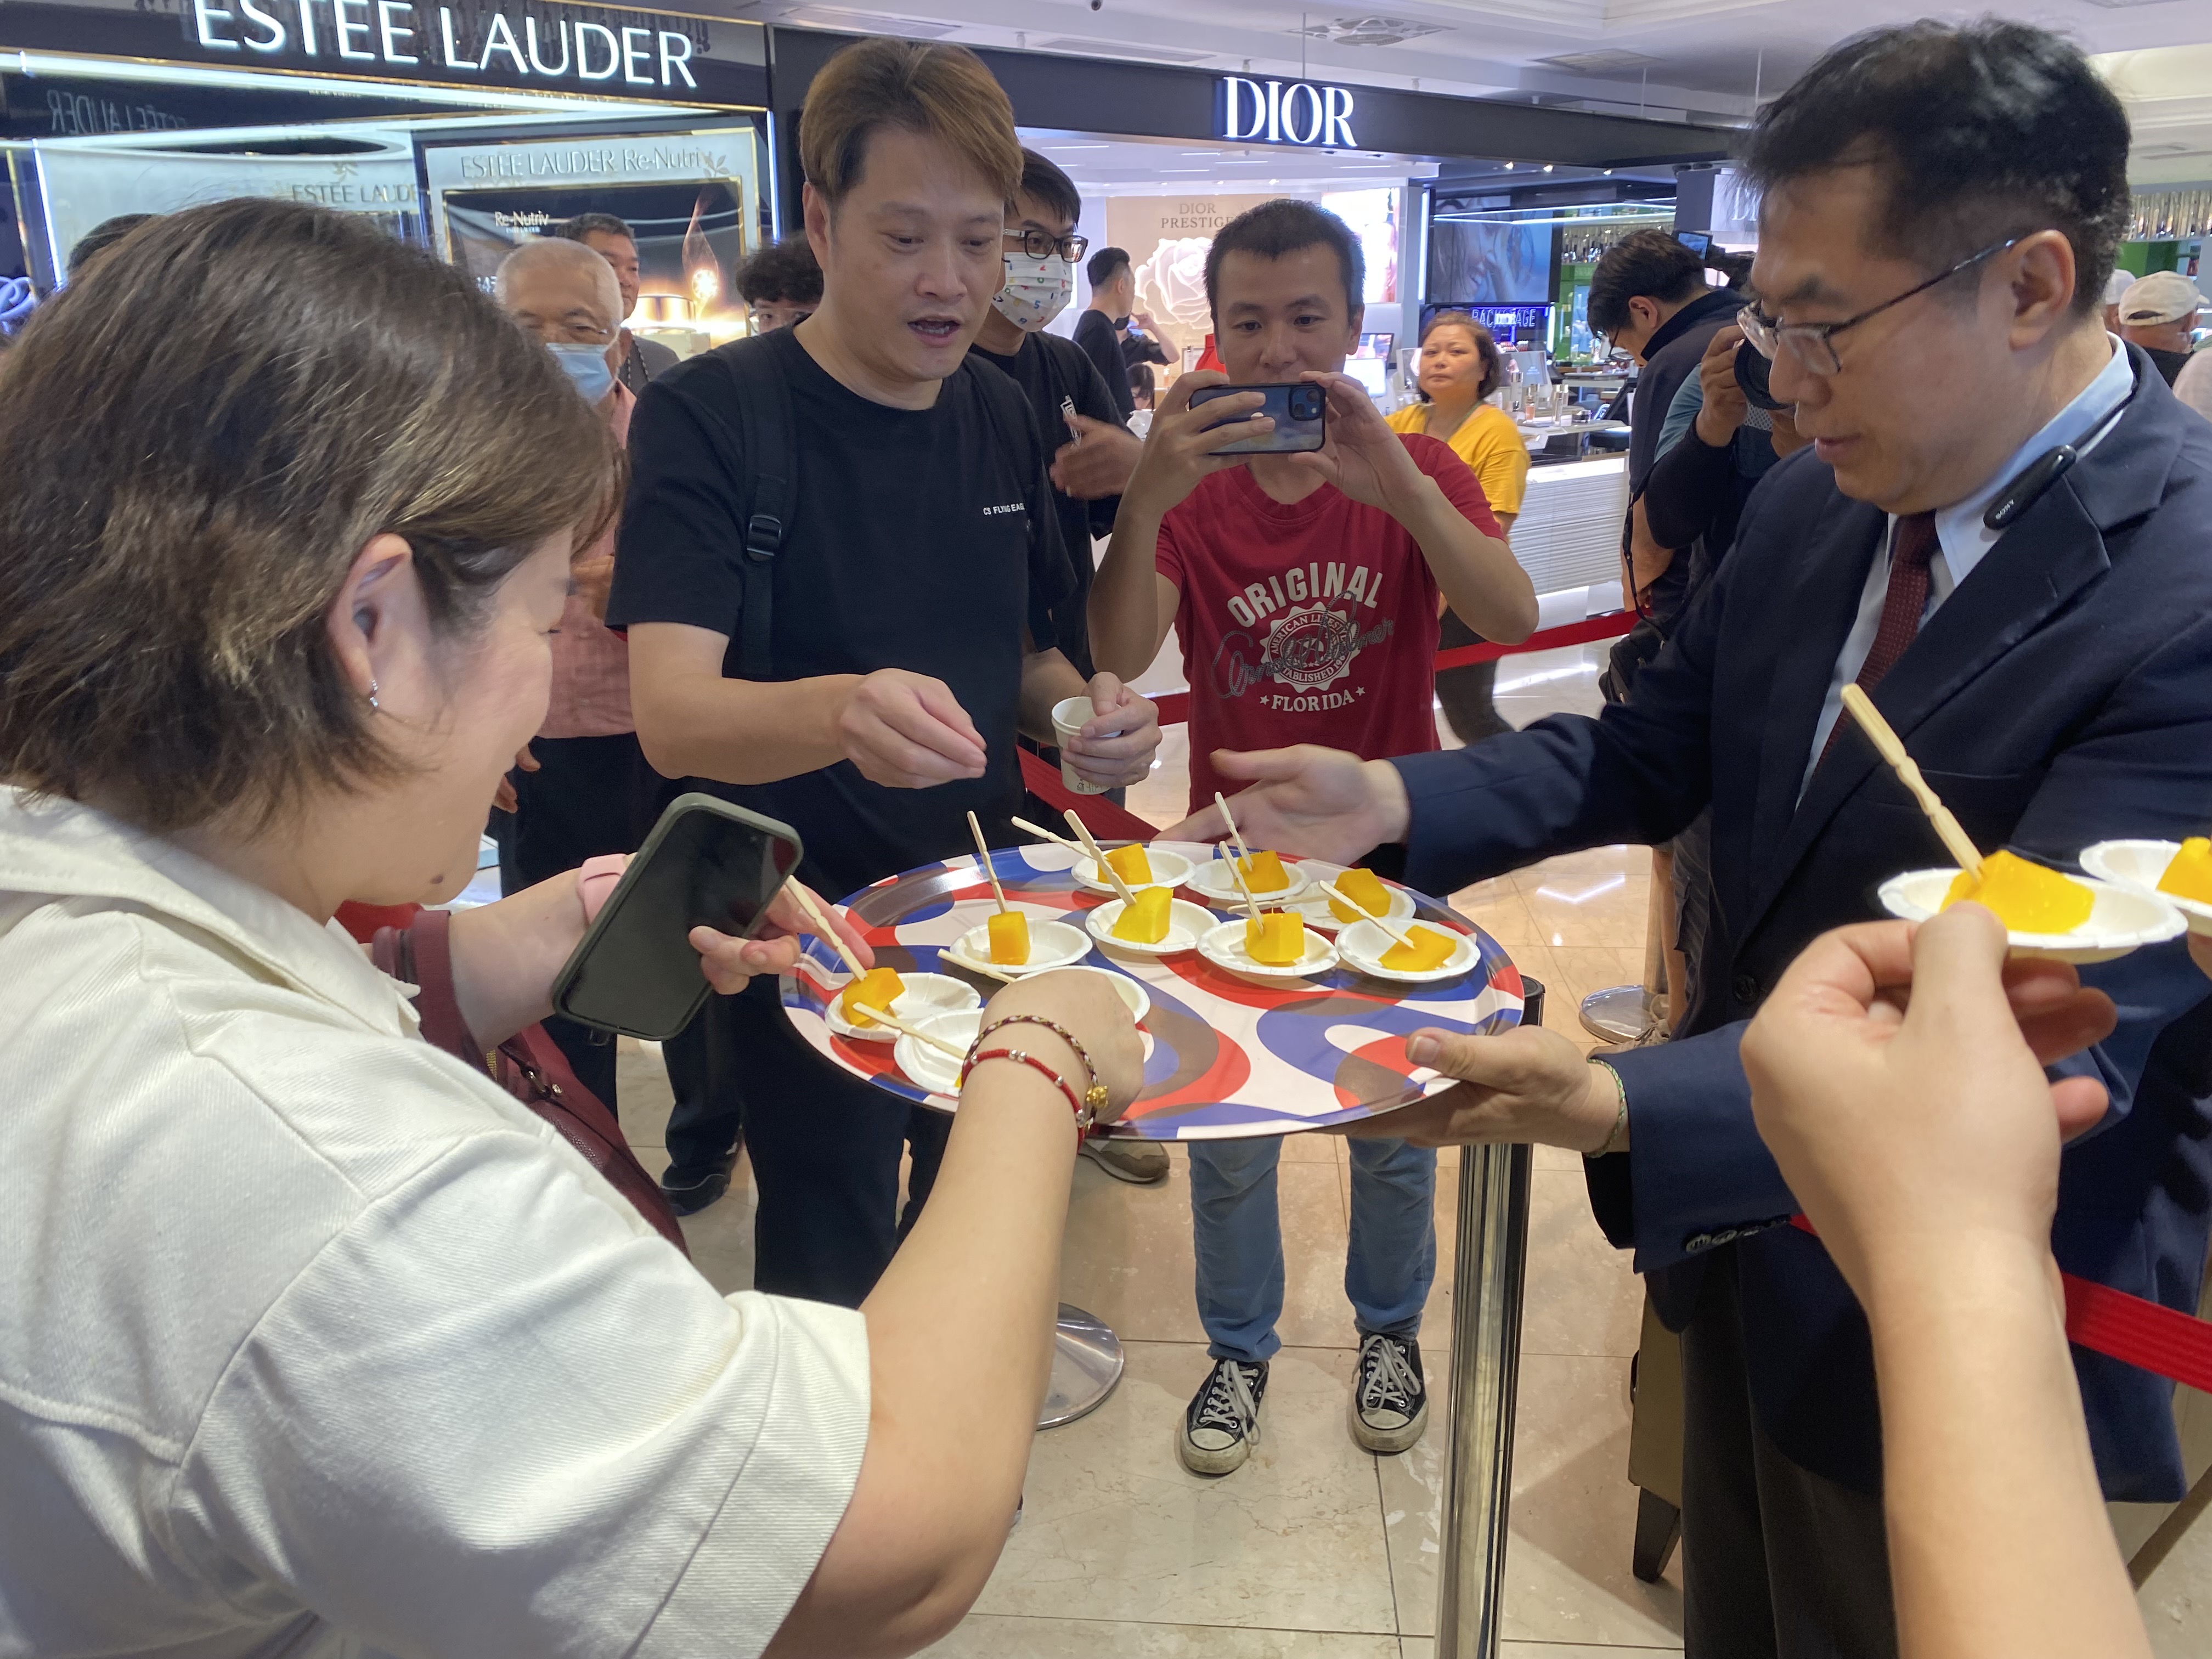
(531, 43)
(1284, 112)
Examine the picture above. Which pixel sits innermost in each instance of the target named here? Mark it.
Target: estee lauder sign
(546, 45)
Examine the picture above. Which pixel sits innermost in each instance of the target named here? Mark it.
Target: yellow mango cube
(1144, 922)
(877, 988)
(1131, 865)
(1277, 938)
(1263, 872)
(2027, 898)
(2189, 872)
(1428, 950)
(1009, 938)
(1363, 888)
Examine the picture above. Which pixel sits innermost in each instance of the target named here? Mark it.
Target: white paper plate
(2120, 921)
(1052, 945)
(1188, 923)
(1213, 881)
(1225, 945)
(1133, 995)
(1314, 907)
(2138, 865)
(925, 995)
(1168, 870)
(1363, 945)
(937, 1072)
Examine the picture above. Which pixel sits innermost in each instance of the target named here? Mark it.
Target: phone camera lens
(1305, 404)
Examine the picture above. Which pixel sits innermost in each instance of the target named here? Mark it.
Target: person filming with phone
(1304, 587)
(319, 1342)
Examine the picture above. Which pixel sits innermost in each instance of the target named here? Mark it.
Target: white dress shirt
(314, 1343)
(1963, 541)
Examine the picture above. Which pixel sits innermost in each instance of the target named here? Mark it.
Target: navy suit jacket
(2062, 695)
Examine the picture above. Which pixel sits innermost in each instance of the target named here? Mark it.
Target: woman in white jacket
(312, 1340)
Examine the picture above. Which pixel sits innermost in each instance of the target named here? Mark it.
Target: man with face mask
(1093, 453)
(582, 788)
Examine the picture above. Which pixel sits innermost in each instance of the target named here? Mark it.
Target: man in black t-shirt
(912, 618)
(1097, 331)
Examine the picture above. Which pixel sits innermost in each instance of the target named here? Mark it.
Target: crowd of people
(324, 1336)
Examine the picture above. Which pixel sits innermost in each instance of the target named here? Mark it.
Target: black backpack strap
(771, 481)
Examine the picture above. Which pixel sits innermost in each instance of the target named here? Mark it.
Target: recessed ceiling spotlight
(1547, 167)
(1609, 172)
(1509, 167)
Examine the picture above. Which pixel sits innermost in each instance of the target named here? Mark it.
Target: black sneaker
(1390, 1401)
(690, 1191)
(1224, 1420)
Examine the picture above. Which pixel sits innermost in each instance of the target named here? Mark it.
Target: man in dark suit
(1941, 207)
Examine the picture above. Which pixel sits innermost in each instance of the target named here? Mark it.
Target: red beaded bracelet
(1084, 1116)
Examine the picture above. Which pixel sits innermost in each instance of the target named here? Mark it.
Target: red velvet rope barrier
(1174, 707)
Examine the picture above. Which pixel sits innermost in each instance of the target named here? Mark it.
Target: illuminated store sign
(400, 34)
(1282, 113)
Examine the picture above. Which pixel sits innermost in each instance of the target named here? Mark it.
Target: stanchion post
(1489, 1268)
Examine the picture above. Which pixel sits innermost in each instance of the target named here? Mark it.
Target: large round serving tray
(1232, 1056)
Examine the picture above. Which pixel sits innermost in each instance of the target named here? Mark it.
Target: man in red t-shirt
(1305, 589)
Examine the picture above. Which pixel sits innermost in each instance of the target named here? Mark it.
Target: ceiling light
(1604, 63)
(1057, 149)
(1369, 30)
(1547, 167)
(1509, 167)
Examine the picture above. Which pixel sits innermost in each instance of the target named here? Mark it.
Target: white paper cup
(1069, 716)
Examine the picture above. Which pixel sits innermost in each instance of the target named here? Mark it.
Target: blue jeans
(1388, 1269)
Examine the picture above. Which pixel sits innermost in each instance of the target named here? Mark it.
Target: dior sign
(1283, 112)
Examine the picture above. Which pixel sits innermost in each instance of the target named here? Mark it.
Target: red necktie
(1912, 544)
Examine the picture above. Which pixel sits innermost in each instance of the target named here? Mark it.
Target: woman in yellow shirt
(1460, 367)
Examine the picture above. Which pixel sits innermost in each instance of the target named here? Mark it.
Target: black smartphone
(707, 864)
(1299, 410)
(1751, 373)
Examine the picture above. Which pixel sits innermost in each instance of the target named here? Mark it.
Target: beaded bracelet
(1095, 1096)
(1619, 1118)
(1084, 1116)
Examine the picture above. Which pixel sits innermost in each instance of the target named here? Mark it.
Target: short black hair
(1980, 131)
(1105, 266)
(1646, 264)
(1283, 226)
(782, 270)
(100, 238)
(592, 224)
(1045, 181)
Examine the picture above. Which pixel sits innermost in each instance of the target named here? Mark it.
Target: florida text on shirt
(1301, 629)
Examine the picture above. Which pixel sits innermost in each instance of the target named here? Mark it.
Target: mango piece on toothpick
(2189, 872)
(879, 987)
(1263, 872)
(1009, 938)
(1131, 865)
(1277, 938)
(1427, 949)
(1363, 888)
(1144, 922)
(2027, 898)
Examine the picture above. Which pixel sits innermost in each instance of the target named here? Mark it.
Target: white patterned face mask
(1036, 290)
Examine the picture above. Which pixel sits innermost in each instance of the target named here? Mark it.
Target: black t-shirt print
(921, 539)
(1048, 369)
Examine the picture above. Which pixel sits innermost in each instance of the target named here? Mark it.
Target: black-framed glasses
(1042, 245)
(1813, 344)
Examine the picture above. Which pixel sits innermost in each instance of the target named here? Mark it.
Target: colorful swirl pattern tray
(1231, 1057)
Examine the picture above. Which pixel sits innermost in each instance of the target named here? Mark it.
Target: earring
(373, 703)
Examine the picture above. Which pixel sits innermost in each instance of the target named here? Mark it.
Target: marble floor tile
(984, 1636)
(1585, 899)
(1128, 1256)
(1573, 1520)
(642, 1092)
(1115, 1529)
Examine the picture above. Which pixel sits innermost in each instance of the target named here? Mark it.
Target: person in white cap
(2121, 281)
(2159, 313)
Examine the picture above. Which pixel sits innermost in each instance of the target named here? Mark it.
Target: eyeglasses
(1813, 344)
(1042, 245)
